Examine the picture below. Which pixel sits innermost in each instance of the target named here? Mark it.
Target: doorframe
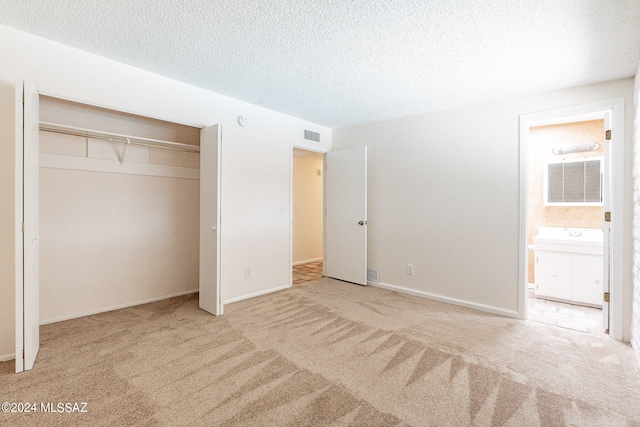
(616, 286)
(19, 221)
(27, 299)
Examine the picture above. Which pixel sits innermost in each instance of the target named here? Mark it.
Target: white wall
(255, 219)
(307, 206)
(444, 196)
(8, 219)
(635, 329)
(256, 158)
(110, 240)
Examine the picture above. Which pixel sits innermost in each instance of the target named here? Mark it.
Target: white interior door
(30, 310)
(345, 190)
(210, 160)
(606, 228)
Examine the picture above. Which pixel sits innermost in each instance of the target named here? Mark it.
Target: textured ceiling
(339, 62)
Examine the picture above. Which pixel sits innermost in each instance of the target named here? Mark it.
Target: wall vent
(373, 275)
(573, 182)
(311, 136)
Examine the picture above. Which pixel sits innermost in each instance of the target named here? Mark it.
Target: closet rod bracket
(124, 150)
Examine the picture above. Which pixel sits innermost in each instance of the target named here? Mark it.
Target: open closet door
(210, 158)
(29, 311)
(345, 192)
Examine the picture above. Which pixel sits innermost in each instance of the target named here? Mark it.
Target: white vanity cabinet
(588, 276)
(553, 275)
(569, 268)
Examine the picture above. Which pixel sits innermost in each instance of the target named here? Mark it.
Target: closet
(119, 209)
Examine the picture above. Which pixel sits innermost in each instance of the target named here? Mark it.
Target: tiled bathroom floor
(570, 316)
(307, 272)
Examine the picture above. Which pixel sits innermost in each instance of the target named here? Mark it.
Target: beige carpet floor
(324, 353)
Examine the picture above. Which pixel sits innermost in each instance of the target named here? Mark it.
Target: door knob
(361, 222)
(213, 228)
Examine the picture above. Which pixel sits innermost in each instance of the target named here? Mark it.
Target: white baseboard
(7, 357)
(256, 294)
(307, 261)
(116, 307)
(454, 301)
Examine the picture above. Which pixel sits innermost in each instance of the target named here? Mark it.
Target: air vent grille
(311, 136)
(574, 182)
(373, 275)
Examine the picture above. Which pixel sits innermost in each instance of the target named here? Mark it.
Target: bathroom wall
(307, 206)
(542, 139)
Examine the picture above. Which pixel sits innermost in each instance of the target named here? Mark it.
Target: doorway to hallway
(307, 205)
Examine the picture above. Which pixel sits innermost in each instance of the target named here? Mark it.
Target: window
(573, 182)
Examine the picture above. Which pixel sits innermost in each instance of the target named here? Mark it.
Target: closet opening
(119, 209)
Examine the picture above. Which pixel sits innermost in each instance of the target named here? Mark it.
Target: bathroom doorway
(612, 112)
(307, 205)
(565, 222)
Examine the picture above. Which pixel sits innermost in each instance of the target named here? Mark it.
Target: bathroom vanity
(568, 265)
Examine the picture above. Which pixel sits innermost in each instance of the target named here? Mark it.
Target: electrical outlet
(247, 272)
(410, 269)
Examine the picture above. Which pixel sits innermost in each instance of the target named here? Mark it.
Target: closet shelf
(117, 138)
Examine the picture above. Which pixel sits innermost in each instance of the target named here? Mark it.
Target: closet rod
(114, 137)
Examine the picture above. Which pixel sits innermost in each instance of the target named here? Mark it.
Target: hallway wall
(307, 206)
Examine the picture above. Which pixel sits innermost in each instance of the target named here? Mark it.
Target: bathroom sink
(579, 240)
